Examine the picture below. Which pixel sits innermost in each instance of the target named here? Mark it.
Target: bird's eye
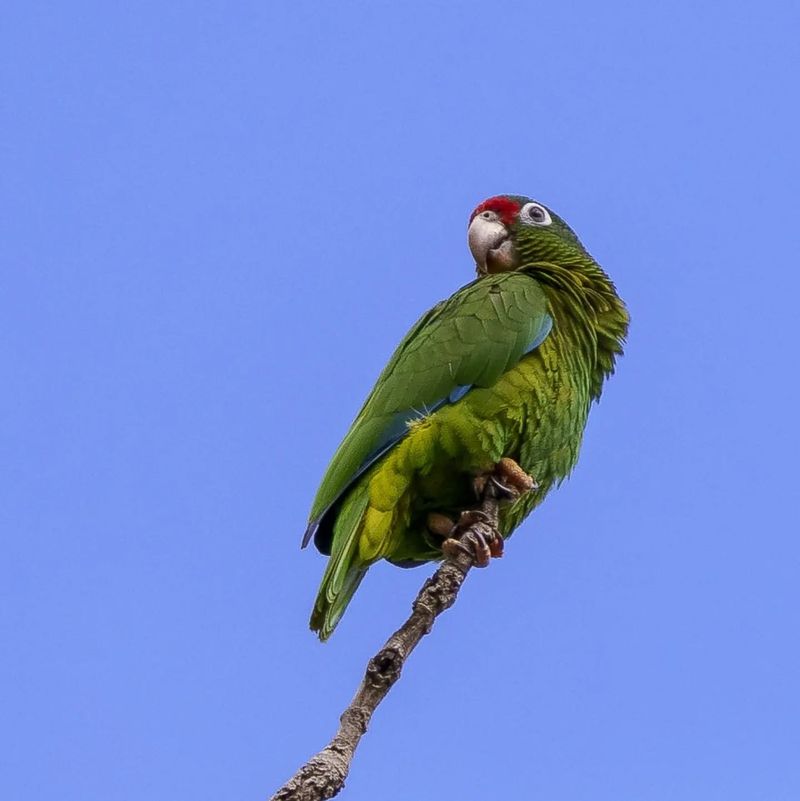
(535, 213)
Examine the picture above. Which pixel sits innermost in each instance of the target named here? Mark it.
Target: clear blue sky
(217, 221)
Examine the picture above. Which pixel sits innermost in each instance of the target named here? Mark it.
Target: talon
(496, 547)
(511, 477)
(473, 542)
(508, 478)
(504, 492)
(475, 531)
(483, 553)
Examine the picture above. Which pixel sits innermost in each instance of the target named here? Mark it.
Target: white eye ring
(535, 214)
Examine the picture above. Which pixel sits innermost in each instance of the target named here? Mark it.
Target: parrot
(493, 383)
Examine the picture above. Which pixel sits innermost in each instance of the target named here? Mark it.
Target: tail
(345, 570)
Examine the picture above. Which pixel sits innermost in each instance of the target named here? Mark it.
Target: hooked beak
(491, 246)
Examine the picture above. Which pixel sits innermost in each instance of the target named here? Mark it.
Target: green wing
(468, 340)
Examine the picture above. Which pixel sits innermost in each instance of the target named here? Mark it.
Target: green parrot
(497, 379)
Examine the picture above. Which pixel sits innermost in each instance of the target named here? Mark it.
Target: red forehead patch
(505, 208)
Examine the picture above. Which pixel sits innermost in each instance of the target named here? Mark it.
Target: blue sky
(217, 221)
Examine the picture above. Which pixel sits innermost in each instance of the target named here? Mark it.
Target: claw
(482, 542)
(508, 478)
(496, 547)
(471, 543)
(483, 553)
(504, 492)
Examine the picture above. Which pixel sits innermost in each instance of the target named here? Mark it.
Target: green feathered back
(471, 339)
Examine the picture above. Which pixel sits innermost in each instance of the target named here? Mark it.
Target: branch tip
(324, 775)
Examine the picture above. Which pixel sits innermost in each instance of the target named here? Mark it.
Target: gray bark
(323, 776)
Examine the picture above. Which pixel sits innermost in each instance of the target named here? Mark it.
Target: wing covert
(468, 340)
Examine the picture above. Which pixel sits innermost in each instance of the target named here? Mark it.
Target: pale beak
(491, 246)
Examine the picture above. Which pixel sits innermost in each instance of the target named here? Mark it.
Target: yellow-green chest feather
(535, 414)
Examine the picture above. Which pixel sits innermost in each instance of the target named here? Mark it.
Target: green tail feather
(344, 571)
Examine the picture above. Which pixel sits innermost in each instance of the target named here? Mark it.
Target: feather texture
(508, 366)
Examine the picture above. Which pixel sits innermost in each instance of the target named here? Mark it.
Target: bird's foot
(508, 478)
(474, 534)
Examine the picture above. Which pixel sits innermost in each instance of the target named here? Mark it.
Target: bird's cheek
(502, 259)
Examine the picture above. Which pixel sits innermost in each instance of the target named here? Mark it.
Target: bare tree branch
(323, 776)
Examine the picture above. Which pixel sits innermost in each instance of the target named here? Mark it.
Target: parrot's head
(508, 231)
